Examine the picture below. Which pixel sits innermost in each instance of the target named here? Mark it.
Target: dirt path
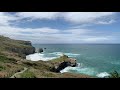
(19, 72)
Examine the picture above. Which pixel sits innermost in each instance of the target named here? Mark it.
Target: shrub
(28, 74)
(2, 68)
(114, 74)
(5, 59)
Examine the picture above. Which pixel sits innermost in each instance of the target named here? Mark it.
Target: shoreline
(62, 69)
(66, 69)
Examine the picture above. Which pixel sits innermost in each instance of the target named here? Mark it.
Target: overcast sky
(61, 27)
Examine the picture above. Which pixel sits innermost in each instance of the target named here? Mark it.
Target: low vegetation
(2, 68)
(60, 59)
(114, 74)
(28, 74)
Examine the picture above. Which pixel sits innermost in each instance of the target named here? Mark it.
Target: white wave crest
(79, 64)
(68, 54)
(38, 56)
(83, 70)
(67, 69)
(103, 74)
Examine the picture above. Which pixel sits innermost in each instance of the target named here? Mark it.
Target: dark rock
(39, 50)
(22, 51)
(72, 62)
(60, 66)
(25, 51)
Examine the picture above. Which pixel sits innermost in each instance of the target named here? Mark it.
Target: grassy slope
(10, 63)
(8, 59)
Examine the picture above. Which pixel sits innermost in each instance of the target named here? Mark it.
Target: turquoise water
(93, 58)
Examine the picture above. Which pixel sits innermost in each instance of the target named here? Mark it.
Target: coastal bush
(62, 58)
(28, 74)
(114, 74)
(48, 75)
(2, 68)
(3, 58)
(6, 60)
(29, 64)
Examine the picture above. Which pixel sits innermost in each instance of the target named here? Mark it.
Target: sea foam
(103, 74)
(48, 56)
(80, 68)
(68, 54)
(38, 56)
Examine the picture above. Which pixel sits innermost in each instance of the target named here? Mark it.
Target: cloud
(106, 22)
(50, 35)
(5, 18)
(38, 15)
(72, 17)
(87, 17)
(95, 39)
(76, 31)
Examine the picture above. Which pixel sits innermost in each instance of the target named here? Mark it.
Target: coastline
(57, 60)
(68, 68)
(12, 60)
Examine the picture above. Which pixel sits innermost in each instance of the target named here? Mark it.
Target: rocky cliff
(23, 48)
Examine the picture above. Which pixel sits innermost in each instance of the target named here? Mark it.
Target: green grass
(114, 74)
(2, 68)
(3, 58)
(60, 59)
(40, 65)
(6, 60)
(17, 46)
(49, 75)
(28, 74)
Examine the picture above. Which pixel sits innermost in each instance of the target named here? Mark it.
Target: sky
(61, 27)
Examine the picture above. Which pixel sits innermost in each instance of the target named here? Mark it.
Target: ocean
(93, 59)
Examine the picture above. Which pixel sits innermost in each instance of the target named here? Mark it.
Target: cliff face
(23, 48)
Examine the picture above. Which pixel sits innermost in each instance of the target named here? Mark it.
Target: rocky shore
(63, 64)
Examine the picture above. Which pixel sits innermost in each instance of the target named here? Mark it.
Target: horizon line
(76, 43)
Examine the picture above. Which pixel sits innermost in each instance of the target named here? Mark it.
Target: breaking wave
(38, 56)
(48, 56)
(103, 74)
(68, 54)
(80, 69)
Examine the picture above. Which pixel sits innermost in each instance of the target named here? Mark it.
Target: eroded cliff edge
(23, 48)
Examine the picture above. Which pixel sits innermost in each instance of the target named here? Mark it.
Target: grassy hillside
(19, 47)
(9, 57)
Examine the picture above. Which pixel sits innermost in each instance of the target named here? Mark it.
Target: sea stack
(39, 50)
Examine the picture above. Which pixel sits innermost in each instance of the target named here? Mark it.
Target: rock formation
(26, 50)
(61, 65)
(39, 50)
